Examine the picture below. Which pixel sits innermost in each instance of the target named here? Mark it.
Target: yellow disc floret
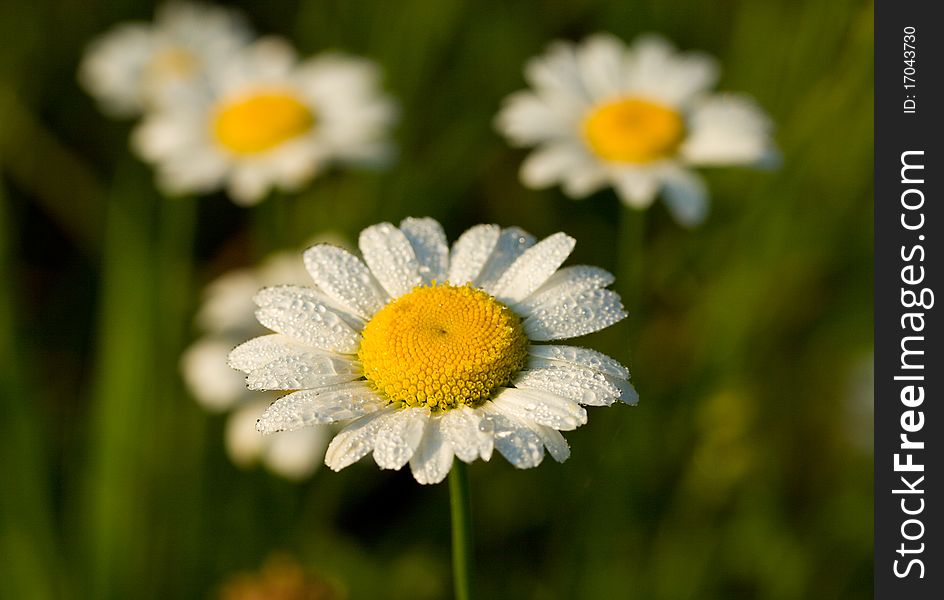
(254, 123)
(633, 130)
(442, 346)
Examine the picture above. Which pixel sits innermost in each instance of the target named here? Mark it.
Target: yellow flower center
(633, 130)
(261, 121)
(442, 346)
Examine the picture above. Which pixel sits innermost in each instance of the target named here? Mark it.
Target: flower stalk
(461, 510)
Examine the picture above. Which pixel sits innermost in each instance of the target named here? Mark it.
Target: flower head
(637, 118)
(427, 353)
(137, 66)
(268, 121)
(280, 578)
(225, 319)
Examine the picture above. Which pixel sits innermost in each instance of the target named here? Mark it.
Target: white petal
(356, 440)
(569, 280)
(686, 196)
(262, 350)
(391, 259)
(211, 381)
(296, 454)
(227, 302)
(555, 443)
(575, 355)
(433, 458)
(657, 69)
(249, 183)
(532, 269)
(512, 242)
(470, 253)
(551, 163)
(601, 65)
(399, 436)
(580, 182)
(628, 394)
(316, 407)
(163, 134)
(111, 67)
(243, 443)
(552, 357)
(556, 73)
(291, 296)
(270, 57)
(304, 371)
(430, 247)
(527, 119)
(727, 130)
(462, 428)
(565, 161)
(198, 173)
(575, 315)
(636, 187)
(575, 383)
(345, 279)
(301, 314)
(541, 407)
(520, 445)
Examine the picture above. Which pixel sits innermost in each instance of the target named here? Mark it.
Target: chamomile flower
(226, 318)
(280, 578)
(269, 121)
(138, 65)
(429, 353)
(638, 118)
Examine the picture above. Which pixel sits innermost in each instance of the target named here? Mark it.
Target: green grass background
(745, 472)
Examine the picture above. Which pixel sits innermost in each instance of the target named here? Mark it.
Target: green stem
(28, 543)
(144, 306)
(123, 401)
(461, 531)
(173, 465)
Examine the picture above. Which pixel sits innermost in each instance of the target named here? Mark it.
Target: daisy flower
(280, 577)
(269, 121)
(137, 65)
(226, 318)
(432, 353)
(638, 118)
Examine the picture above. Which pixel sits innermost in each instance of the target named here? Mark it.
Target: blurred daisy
(637, 118)
(137, 65)
(268, 122)
(280, 578)
(226, 318)
(434, 353)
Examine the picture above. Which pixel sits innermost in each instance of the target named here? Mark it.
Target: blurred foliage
(736, 477)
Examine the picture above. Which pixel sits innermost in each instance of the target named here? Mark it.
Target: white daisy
(225, 319)
(637, 118)
(269, 121)
(138, 65)
(435, 353)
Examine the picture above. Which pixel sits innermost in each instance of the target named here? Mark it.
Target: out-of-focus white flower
(433, 353)
(136, 65)
(270, 121)
(226, 318)
(638, 118)
(294, 456)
